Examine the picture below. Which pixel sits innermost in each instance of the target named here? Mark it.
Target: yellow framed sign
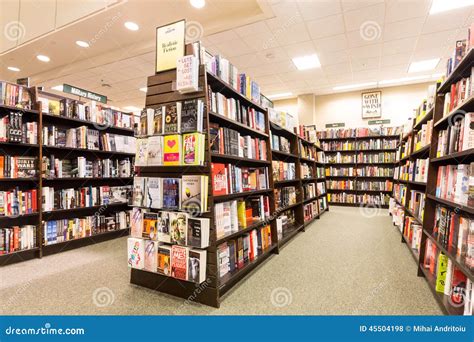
(170, 45)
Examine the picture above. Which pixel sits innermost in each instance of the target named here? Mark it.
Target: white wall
(398, 104)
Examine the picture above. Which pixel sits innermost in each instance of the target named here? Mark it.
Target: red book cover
(433, 259)
(16, 232)
(179, 262)
(451, 232)
(458, 287)
(34, 200)
(219, 179)
(251, 255)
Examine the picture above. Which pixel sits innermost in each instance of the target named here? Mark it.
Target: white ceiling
(397, 32)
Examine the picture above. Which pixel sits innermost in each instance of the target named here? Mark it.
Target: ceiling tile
(234, 47)
(340, 79)
(222, 37)
(294, 33)
(261, 41)
(272, 55)
(438, 39)
(349, 5)
(445, 21)
(300, 49)
(356, 39)
(252, 29)
(336, 69)
(360, 64)
(331, 44)
(390, 60)
(328, 58)
(403, 29)
(311, 10)
(326, 27)
(366, 51)
(398, 10)
(365, 19)
(285, 8)
(406, 45)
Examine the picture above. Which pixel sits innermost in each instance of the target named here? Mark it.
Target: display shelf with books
(355, 160)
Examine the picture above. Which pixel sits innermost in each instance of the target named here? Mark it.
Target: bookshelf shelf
(223, 198)
(363, 177)
(88, 151)
(414, 254)
(416, 183)
(465, 209)
(290, 234)
(311, 199)
(241, 160)
(420, 152)
(395, 136)
(285, 182)
(462, 70)
(456, 158)
(19, 256)
(288, 207)
(424, 119)
(451, 117)
(241, 231)
(227, 122)
(33, 179)
(12, 144)
(284, 154)
(87, 179)
(5, 108)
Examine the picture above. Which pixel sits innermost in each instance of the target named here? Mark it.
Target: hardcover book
(139, 192)
(179, 257)
(151, 257)
(193, 148)
(171, 193)
(179, 226)
(190, 116)
(172, 150)
(172, 119)
(150, 230)
(219, 179)
(158, 120)
(136, 253)
(163, 225)
(154, 150)
(198, 232)
(197, 265)
(141, 154)
(164, 260)
(154, 197)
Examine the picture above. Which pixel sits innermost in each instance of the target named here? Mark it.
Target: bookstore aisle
(345, 263)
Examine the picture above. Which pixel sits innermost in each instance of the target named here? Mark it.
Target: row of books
(18, 202)
(283, 170)
(351, 145)
(228, 141)
(230, 179)
(402, 172)
(418, 170)
(171, 150)
(459, 136)
(309, 133)
(412, 231)
(449, 279)
(417, 204)
(382, 157)
(280, 143)
(15, 95)
(237, 253)
(13, 239)
(189, 193)
(57, 231)
(309, 191)
(83, 197)
(423, 136)
(362, 199)
(461, 48)
(92, 112)
(340, 158)
(233, 109)
(320, 172)
(455, 183)
(321, 187)
(310, 210)
(170, 227)
(81, 167)
(18, 166)
(306, 170)
(455, 232)
(427, 104)
(285, 223)
(232, 216)
(280, 119)
(14, 129)
(400, 193)
(398, 214)
(174, 118)
(227, 72)
(308, 152)
(377, 186)
(285, 197)
(175, 261)
(361, 132)
(405, 148)
(374, 171)
(348, 145)
(87, 138)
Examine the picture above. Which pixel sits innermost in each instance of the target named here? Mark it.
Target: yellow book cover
(248, 89)
(53, 107)
(241, 214)
(441, 270)
(172, 150)
(192, 149)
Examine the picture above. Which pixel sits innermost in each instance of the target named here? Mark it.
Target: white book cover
(187, 74)
(461, 192)
(468, 134)
(150, 114)
(151, 259)
(139, 191)
(234, 217)
(154, 198)
(136, 253)
(136, 222)
(141, 155)
(197, 260)
(155, 150)
(164, 226)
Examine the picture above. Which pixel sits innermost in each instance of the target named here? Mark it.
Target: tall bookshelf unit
(43, 118)
(354, 165)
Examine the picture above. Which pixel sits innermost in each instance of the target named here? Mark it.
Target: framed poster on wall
(372, 105)
(169, 45)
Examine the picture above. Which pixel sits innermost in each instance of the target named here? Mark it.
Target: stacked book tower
(205, 197)
(359, 165)
(66, 173)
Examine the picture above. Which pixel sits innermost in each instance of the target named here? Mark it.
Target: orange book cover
(2, 166)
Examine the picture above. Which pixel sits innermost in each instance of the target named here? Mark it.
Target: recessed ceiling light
(131, 108)
(131, 26)
(358, 85)
(198, 3)
(43, 58)
(13, 69)
(439, 6)
(58, 87)
(428, 64)
(82, 43)
(405, 79)
(307, 62)
(274, 96)
(144, 89)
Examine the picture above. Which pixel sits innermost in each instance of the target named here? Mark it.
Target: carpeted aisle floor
(345, 263)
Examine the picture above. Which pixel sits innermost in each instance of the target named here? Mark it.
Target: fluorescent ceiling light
(307, 62)
(82, 43)
(274, 96)
(197, 3)
(358, 85)
(439, 6)
(131, 108)
(43, 58)
(428, 64)
(13, 68)
(144, 89)
(405, 79)
(131, 26)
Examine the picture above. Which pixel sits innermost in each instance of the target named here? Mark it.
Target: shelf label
(336, 124)
(84, 93)
(379, 122)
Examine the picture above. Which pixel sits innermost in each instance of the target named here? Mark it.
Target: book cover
(136, 229)
(189, 117)
(179, 256)
(154, 150)
(141, 154)
(191, 196)
(154, 197)
(136, 253)
(158, 120)
(139, 192)
(219, 179)
(198, 232)
(150, 230)
(151, 258)
(193, 149)
(163, 226)
(164, 260)
(458, 287)
(441, 270)
(171, 121)
(197, 265)
(171, 193)
(179, 226)
(172, 150)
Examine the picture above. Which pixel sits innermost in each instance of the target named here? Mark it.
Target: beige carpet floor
(345, 263)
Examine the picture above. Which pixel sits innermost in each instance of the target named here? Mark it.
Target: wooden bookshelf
(357, 164)
(39, 150)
